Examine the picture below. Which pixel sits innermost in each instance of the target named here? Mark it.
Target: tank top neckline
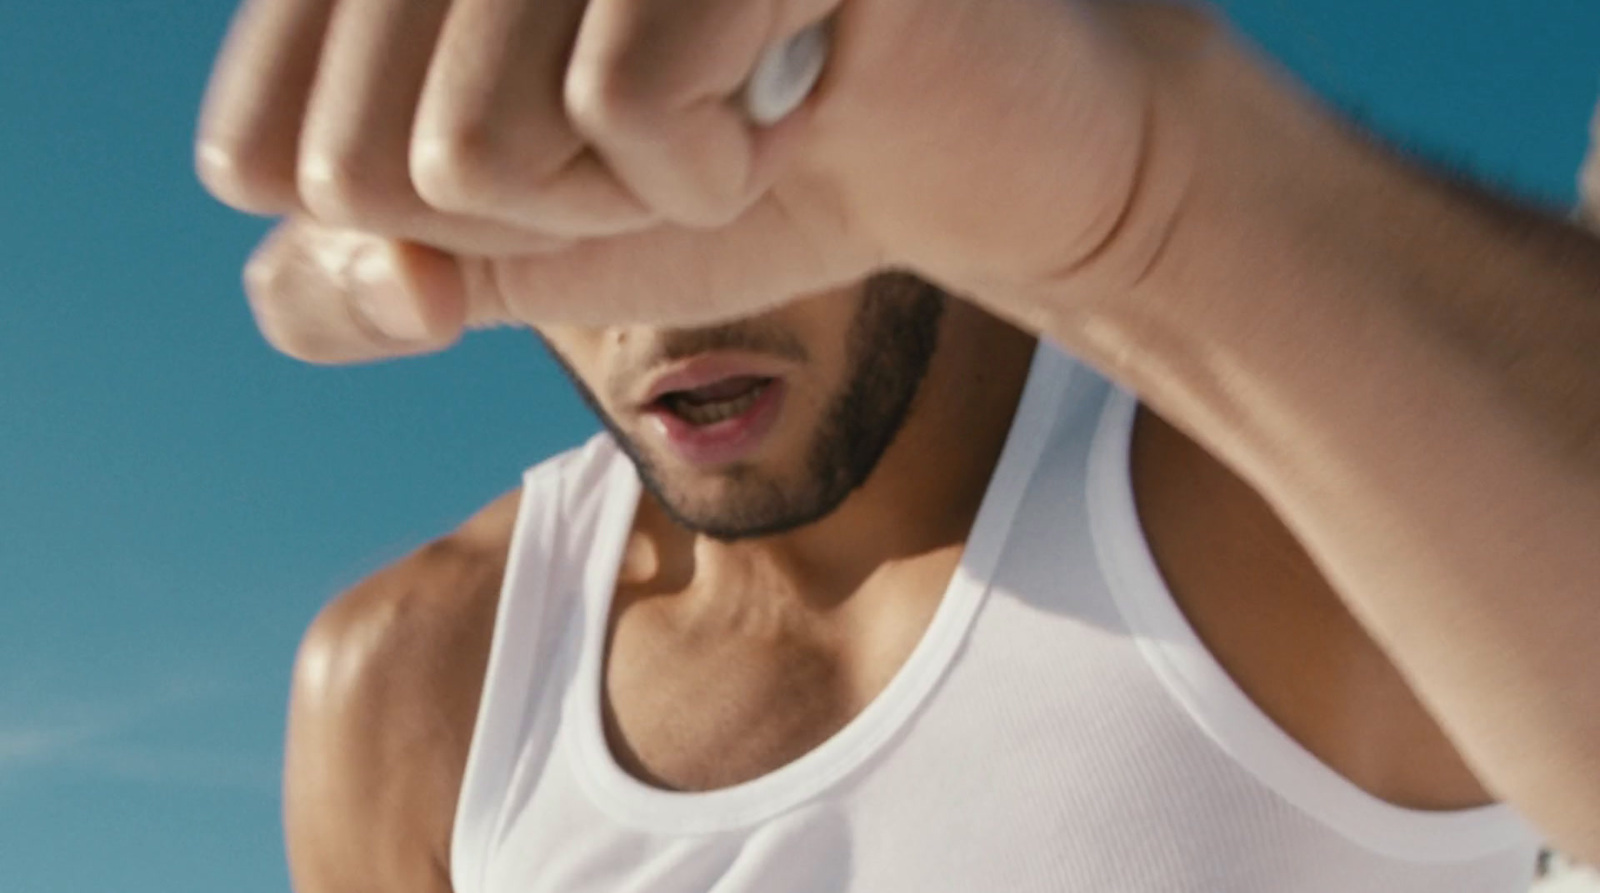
(636, 804)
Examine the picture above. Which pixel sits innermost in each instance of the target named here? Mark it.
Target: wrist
(1246, 182)
(1194, 133)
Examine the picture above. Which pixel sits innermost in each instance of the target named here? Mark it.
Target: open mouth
(715, 402)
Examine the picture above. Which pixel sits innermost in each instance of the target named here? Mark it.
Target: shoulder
(382, 705)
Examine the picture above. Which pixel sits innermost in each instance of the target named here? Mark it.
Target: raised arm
(1407, 368)
(1404, 367)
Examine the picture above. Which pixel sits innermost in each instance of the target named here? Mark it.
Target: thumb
(670, 275)
(335, 296)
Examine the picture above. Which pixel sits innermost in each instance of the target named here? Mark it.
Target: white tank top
(1059, 727)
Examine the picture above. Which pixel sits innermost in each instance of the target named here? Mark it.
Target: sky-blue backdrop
(176, 500)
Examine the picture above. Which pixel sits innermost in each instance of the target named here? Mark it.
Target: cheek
(814, 393)
(821, 327)
(574, 343)
(828, 375)
(581, 353)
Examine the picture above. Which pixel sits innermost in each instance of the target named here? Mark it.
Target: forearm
(1410, 375)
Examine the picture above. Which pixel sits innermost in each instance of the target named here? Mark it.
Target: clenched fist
(452, 163)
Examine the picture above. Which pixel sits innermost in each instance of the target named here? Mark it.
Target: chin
(731, 509)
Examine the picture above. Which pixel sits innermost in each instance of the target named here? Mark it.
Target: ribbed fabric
(1058, 728)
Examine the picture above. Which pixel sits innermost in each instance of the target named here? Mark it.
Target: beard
(888, 350)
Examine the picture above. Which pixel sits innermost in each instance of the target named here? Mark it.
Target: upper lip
(709, 368)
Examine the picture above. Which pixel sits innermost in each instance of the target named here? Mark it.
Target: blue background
(176, 500)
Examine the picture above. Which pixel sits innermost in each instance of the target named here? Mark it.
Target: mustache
(755, 335)
(672, 345)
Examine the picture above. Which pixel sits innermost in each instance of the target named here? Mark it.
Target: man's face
(762, 425)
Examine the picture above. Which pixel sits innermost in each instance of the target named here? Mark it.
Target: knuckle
(611, 100)
(345, 189)
(263, 280)
(457, 169)
(243, 176)
(479, 170)
(292, 306)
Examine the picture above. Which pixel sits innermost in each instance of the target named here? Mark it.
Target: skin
(1589, 178)
(1380, 385)
(813, 621)
(792, 635)
(844, 399)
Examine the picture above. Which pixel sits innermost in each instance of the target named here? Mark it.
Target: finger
(491, 136)
(245, 149)
(650, 84)
(354, 151)
(338, 296)
(674, 275)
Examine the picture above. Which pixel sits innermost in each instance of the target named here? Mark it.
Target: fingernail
(381, 298)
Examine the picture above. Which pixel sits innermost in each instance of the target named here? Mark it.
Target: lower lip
(720, 443)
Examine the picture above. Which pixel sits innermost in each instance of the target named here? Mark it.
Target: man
(869, 587)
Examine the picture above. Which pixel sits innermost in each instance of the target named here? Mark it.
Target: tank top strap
(557, 518)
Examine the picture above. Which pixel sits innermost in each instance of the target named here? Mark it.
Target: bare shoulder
(1589, 177)
(384, 697)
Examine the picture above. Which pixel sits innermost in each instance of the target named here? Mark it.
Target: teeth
(710, 413)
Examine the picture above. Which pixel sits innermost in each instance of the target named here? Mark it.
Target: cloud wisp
(87, 738)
